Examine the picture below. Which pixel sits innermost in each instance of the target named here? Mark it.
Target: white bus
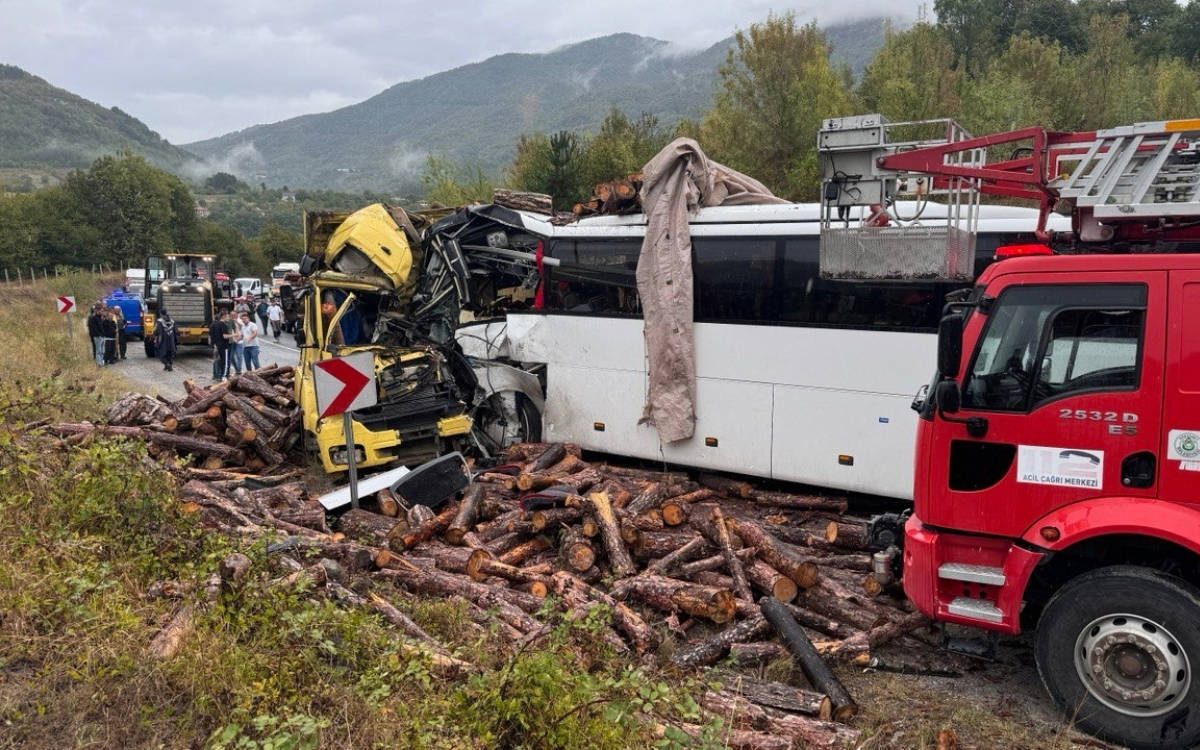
(799, 378)
(279, 271)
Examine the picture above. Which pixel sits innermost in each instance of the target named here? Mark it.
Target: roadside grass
(88, 530)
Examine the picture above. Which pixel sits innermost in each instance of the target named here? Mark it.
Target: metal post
(6, 280)
(351, 457)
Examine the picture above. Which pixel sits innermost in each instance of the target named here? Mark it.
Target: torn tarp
(678, 179)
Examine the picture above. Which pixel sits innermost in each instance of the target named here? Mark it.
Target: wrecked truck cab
(357, 295)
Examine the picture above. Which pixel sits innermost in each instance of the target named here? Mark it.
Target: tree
(448, 184)
(1023, 86)
(912, 76)
(1185, 32)
(621, 147)
(776, 86)
(971, 26)
(277, 245)
(222, 182)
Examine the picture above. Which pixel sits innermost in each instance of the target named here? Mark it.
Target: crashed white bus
(799, 378)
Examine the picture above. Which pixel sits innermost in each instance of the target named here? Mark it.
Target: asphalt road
(194, 363)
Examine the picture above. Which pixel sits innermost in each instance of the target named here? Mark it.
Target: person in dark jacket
(119, 315)
(95, 334)
(220, 344)
(108, 333)
(166, 341)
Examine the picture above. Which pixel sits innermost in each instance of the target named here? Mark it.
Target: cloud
(198, 70)
(242, 160)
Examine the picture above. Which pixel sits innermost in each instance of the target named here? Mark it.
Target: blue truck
(133, 307)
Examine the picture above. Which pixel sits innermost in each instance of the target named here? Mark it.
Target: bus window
(597, 276)
(735, 279)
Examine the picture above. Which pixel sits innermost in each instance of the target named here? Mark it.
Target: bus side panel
(861, 442)
(581, 399)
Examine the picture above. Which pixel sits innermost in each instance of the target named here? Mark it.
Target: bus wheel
(148, 344)
(511, 418)
(1116, 649)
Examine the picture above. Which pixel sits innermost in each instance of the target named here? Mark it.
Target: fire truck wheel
(1117, 648)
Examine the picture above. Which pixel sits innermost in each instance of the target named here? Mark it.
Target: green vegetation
(41, 125)
(991, 66)
(88, 529)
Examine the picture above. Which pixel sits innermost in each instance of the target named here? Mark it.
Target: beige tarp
(679, 179)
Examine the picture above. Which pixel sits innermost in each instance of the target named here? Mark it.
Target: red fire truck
(1058, 451)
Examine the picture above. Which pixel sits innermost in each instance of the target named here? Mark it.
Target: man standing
(119, 315)
(108, 334)
(275, 315)
(262, 314)
(250, 343)
(217, 337)
(235, 343)
(166, 341)
(95, 333)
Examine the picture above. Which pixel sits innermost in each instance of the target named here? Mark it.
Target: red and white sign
(66, 304)
(345, 383)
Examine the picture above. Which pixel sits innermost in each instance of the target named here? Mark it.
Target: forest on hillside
(992, 65)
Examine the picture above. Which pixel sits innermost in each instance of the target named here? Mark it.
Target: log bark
(710, 650)
(770, 581)
(511, 606)
(803, 502)
(738, 739)
(614, 547)
(312, 517)
(170, 638)
(655, 544)
(772, 552)
(757, 654)
(741, 587)
(548, 458)
(577, 552)
(727, 485)
(641, 636)
(552, 519)
(367, 527)
(806, 657)
(538, 203)
(388, 504)
(848, 535)
(180, 443)
(694, 548)
(411, 537)
(464, 519)
(778, 695)
(522, 552)
(669, 594)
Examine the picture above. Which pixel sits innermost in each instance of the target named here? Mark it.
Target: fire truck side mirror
(950, 333)
(947, 396)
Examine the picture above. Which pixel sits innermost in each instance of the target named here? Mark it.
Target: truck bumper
(380, 447)
(966, 579)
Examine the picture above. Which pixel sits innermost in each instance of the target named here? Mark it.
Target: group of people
(106, 328)
(235, 343)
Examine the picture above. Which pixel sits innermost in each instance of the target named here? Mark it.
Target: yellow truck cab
(359, 280)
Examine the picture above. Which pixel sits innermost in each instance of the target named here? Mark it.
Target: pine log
(548, 457)
(694, 548)
(741, 587)
(710, 650)
(367, 527)
(757, 654)
(804, 502)
(251, 383)
(826, 603)
(538, 203)
(202, 402)
(849, 535)
(577, 552)
(698, 600)
(247, 407)
(464, 519)
(388, 504)
(650, 497)
(655, 544)
(548, 520)
(778, 695)
(618, 556)
(170, 638)
(807, 659)
(772, 552)
(522, 552)
(770, 581)
(311, 517)
(511, 606)
(498, 526)
(734, 739)
(411, 537)
(641, 636)
(240, 424)
(481, 566)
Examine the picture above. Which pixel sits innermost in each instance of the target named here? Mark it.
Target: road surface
(192, 363)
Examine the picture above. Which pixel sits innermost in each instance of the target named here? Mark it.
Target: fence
(22, 276)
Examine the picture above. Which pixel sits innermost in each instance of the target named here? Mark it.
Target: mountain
(473, 114)
(44, 126)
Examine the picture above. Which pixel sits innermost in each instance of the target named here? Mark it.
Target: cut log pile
(709, 562)
(248, 424)
(621, 196)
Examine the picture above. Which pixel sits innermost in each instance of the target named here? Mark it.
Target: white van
(248, 286)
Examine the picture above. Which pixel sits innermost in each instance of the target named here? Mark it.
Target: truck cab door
(154, 274)
(1181, 401)
(1060, 400)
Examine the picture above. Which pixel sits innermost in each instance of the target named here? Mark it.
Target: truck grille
(187, 308)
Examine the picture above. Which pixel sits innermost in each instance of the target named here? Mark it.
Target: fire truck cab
(1057, 467)
(1058, 482)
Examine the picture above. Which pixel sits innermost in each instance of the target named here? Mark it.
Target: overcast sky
(194, 70)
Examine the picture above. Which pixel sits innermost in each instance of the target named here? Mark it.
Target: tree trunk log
(666, 565)
(806, 657)
(710, 650)
(411, 537)
(641, 636)
(464, 519)
(771, 582)
(670, 594)
(803, 502)
(618, 556)
(772, 552)
(757, 654)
